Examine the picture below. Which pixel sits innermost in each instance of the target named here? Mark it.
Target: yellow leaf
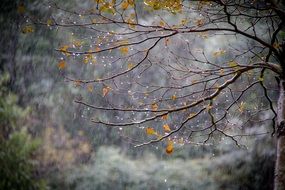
(191, 115)
(130, 66)
(181, 141)
(173, 97)
(64, 48)
(125, 5)
(106, 90)
(184, 21)
(169, 147)
(241, 107)
(219, 53)
(21, 9)
(61, 64)
(166, 128)
(154, 106)
(49, 22)
(276, 45)
(90, 88)
(150, 131)
(233, 64)
(77, 43)
(165, 117)
(162, 23)
(27, 29)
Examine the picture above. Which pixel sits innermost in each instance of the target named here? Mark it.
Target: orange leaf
(169, 147)
(61, 64)
(166, 128)
(173, 97)
(165, 117)
(125, 5)
(150, 131)
(63, 48)
(124, 50)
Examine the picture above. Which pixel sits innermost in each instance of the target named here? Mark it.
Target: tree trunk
(279, 178)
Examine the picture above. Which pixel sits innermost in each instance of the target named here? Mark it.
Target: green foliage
(17, 148)
(110, 169)
(10, 112)
(17, 165)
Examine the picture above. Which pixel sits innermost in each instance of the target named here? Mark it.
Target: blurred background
(48, 142)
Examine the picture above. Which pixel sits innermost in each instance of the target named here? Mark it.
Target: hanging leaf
(61, 64)
(28, 29)
(97, 49)
(154, 107)
(173, 97)
(90, 88)
(124, 50)
(21, 9)
(241, 107)
(200, 22)
(169, 147)
(233, 64)
(105, 91)
(130, 66)
(77, 43)
(49, 22)
(150, 131)
(166, 128)
(64, 50)
(125, 5)
(219, 53)
(165, 117)
(162, 23)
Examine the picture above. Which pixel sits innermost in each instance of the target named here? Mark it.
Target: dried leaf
(124, 50)
(173, 97)
(154, 107)
(90, 88)
(219, 53)
(241, 107)
(105, 91)
(21, 9)
(49, 22)
(169, 147)
(166, 128)
(61, 64)
(150, 131)
(125, 5)
(165, 117)
(27, 29)
(130, 66)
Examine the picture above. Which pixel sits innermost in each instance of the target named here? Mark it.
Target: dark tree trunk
(279, 179)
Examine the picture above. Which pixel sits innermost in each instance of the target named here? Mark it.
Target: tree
(216, 68)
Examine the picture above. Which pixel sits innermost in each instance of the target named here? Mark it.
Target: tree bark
(279, 178)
